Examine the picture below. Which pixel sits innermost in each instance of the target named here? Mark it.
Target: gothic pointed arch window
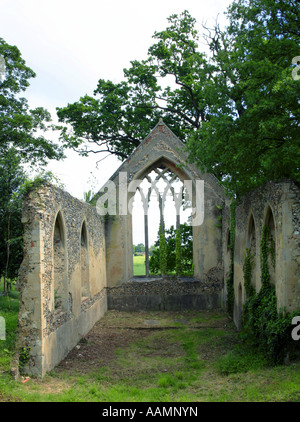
(60, 296)
(227, 254)
(160, 204)
(84, 262)
(269, 223)
(251, 245)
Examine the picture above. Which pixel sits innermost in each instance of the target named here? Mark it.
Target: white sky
(71, 44)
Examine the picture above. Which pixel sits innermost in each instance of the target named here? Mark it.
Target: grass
(139, 267)
(199, 359)
(9, 307)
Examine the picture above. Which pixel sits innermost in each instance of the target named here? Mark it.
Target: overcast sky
(71, 44)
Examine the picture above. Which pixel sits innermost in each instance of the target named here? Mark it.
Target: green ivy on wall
(24, 356)
(267, 248)
(263, 325)
(248, 270)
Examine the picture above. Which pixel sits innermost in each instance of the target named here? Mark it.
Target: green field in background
(139, 267)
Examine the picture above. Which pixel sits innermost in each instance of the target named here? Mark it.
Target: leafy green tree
(186, 251)
(120, 115)
(140, 248)
(21, 141)
(19, 126)
(252, 134)
(12, 177)
(14, 185)
(237, 107)
(152, 249)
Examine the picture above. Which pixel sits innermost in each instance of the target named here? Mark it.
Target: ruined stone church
(78, 260)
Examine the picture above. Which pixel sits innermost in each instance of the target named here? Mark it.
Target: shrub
(173, 252)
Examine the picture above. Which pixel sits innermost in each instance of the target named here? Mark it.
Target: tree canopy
(14, 186)
(21, 129)
(12, 177)
(252, 134)
(21, 141)
(120, 115)
(236, 107)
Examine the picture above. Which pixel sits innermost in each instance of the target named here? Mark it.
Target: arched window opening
(59, 264)
(227, 255)
(58, 232)
(251, 248)
(84, 263)
(251, 237)
(161, 205)
(270, 224)
(83, 237)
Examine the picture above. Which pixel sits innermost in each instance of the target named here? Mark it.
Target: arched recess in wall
(251, 245)
(84, 262)
(228, 245)
(227, 254)
(60, 290)
(270, 224)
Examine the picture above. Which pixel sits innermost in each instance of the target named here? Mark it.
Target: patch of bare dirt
(117, 330)
(98, 348)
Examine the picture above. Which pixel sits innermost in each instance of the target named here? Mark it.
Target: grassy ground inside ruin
(153, 357)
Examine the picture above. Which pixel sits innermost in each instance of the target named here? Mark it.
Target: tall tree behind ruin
(237, 109)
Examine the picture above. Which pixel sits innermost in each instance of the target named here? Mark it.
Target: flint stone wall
(282, 201)
(166, 294)
(49, 327)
